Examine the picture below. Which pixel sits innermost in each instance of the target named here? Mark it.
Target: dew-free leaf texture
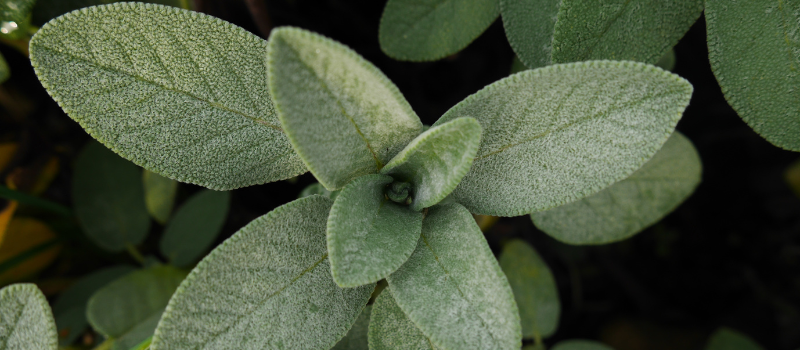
(180, 93)
(45, 10)
(556, 134)
(728, 339)
(452, 287)
(436, 161)
(26, 322)
(427, 30)
(109, 199)
(356, 338)
(753, 49)
(343, 115)
(529, 26)
(194, 227)
(631, 205)
(580, 345)
(317, 188)
(269, 286)
(159, 195)
(369, 236)
(390, 328)
(534, 289)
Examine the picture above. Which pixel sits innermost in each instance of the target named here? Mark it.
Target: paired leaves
(159, 195)
(26, 322)
(390, 328)
(195, 226)
(729, 339)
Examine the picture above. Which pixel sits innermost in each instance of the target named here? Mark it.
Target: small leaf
(5, 73)
(534, 289)
(667, 62)
(195, 227)
(752, 47)
(529, 26)
(26, 322)
(268, 286)
(580, 345)
(390, 328)
(453, 272)
(729, 339)
(342, 115)
(436, 161)
(631, 205)
(317, 188)
(159, 195)
(109, 199)
(428, 30)
(356, 338)
(369, 236)
(556, 134)
(28, 247)
(180, 93)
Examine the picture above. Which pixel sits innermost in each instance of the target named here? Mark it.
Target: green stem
(26, 199)
(135, 253)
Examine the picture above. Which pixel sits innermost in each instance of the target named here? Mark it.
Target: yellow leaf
(23, 236)
(7, 151)
(5, 218)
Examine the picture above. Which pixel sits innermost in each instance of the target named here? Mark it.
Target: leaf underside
(195, 227)
(390, 328)
(729, 339)
(26, 322)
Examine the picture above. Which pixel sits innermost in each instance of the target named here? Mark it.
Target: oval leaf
(729, 339)
(752, 46)
(631, 205)
(529, 26)
(26, 322)
(453, 272)
(427, 30)
(556, 134)
(343, 116)
(159, 195)
(390, 328)
(268, 286)
(369, 236)
(356, 338)
(180, 93)
(580, 345)
(195, 227)
(436, 161)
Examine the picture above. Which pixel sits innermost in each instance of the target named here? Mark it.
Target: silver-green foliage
(753, 49)
(159, 195)
(195, 226)
(390, 328)
(729, 339)
(26, 322)
(631, 205)
(356, 338)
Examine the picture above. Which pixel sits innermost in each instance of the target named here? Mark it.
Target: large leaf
(529, 26)
(26, 322)
(159, 195)
(390, 328)
(557, 134)
(195, 226)
(753, 49)
(109, 199)
(180, 93)
(268, 286)
(452, 287)
(436, 161)
(369, 236)
(342, 115)
(580, 345)
(729, 339)
(356, 338)
(45, 10)
(534, 289)
(427, 30)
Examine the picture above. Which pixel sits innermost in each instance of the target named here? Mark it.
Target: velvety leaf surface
(631, 205)
(390, 328)
(452, 287)
(45, 10)
(729, 339)
(268, 286)
(580, 345)
(108, 198)
(556, 134)
(317, 188)
(26, 322)
(159, 195)
(343, 116)
(427, 30)
(436, 161)
(534, 289)
(369, 236)
(529, 26)
(195, 227)
(356, 338)
(753, 49)
(180, 93)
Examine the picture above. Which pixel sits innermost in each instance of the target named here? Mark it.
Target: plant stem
(135, 253)
(24, 198)
(258, 11)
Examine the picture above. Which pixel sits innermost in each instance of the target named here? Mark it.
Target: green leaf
(356, 338)
(729, 339)
(752, 47)
(342, 115)
(369, 236)
(436, 161)
(109, 199)
(556, 134)
(129, 308)
(70, 324)
(427, 30)
(5, 72)
(268, 286)
(667, 62)
(45, 10)
(580, 345)
(195, 227)
(534, 289)
(26, 322)
(317, 188)
(631, 205)
(390, 328)
(529, 26)
(15, 18)
(180, 93)
(453, 272)
(159, 195)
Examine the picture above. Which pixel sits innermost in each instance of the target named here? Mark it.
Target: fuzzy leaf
(195, 227)
(268, 286)
(343, 116)
(534, 289)
(436, 161)
(556, 134)
(729, 339)
(180, 93)
(369, 236)
(45, 10)
(753, 49)
(109, 199)
(427, 30)
(453, 272)
(390, 328)
(580, 345)
(159, 195)
(317, 188)
(631, 205)
(529, 26)
(356, 338)
(26, 322)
